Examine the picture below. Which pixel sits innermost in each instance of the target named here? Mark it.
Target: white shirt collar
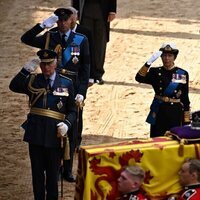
(67, 33)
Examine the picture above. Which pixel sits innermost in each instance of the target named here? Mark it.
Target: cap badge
(168, 48)
(45, 54)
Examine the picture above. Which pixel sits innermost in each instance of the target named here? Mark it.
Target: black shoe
(100, 81)
(69, 178)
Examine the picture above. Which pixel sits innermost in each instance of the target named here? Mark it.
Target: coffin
(100, 166)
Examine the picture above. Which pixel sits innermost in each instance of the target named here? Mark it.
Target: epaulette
(189, 193)
(62, 76)
(80, 34)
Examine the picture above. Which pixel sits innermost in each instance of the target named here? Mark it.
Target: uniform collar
(131, 193)
(192, 186)
(67, 33)
(52, 77)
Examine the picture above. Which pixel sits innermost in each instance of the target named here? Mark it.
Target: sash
(67, 54)
(155, 105)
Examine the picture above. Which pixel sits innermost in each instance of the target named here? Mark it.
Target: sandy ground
(113, 111)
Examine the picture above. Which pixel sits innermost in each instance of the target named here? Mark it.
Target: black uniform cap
(47, 55)
(63, 13)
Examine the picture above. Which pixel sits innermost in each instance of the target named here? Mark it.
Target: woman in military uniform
(171, 105)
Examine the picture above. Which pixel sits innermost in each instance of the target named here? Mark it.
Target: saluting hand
(154, 57)
(31, 65)
(49, 22)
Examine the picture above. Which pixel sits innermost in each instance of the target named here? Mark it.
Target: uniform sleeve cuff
(147, 65)
(24, 72)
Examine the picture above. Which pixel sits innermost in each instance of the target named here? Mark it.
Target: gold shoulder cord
(35, 91)
(58, 50)
(47, 41)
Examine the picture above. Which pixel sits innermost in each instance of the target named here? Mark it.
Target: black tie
(63, 41)
(48, 84)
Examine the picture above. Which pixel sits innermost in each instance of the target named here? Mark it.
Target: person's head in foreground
(131, 179)
(190, 172)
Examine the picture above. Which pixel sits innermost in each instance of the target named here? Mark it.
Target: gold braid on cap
(143, 71)
(34, 91)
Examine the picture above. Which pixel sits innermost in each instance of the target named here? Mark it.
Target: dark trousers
(45, 164)
(92, 19)
(168, 116)
(80, 126)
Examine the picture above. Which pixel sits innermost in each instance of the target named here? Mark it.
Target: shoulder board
(178, 68)
(189, 193)
(33, 74)
(65, 77)
(80, 34)
(53, 30)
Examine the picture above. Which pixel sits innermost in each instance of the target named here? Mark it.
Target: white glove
(90, 82)
(49, 22)
(79, 98)
(31, 65)
(154, 57)
(62, 129)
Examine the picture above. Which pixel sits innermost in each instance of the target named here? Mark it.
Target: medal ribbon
(67, 52)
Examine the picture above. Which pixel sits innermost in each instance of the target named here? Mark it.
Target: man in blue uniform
(171, 105)
(75, 27)
(73, 62)
(52, 113)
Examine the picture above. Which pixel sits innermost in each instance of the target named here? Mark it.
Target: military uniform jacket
(137, 195)
(160, 78)
(82, 67)
(191, 193)
(42, 130)
(106, 7)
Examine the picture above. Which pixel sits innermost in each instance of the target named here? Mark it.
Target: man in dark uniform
(73, 61)
(129, 183)
(87, 32)
(96, 15)
(75, 27)
(190, 179)
(171, 105)
(52, 113)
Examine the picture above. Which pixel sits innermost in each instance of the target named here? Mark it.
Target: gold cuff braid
(143, 71)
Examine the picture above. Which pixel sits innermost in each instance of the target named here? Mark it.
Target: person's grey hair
(75, 12)
(135, 170)
(194, 166)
